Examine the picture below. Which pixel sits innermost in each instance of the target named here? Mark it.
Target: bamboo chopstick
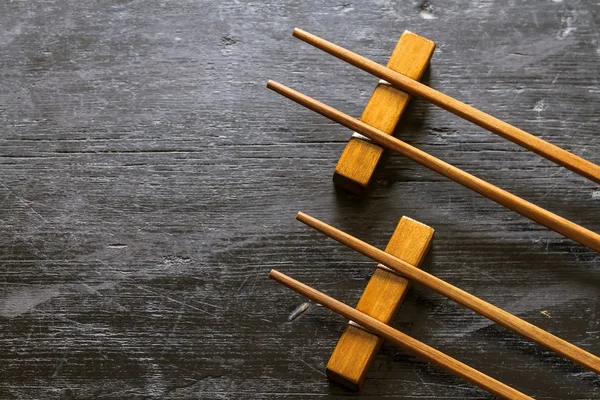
(500, 196)
(463, 298)
(552, 152)
(401, 339)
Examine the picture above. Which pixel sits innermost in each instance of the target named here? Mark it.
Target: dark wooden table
(149, 182)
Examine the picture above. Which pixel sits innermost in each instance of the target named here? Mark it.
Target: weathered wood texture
(149, 182)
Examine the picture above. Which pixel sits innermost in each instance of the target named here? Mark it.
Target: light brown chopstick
(401, 339)
(500, 196)
(552, 152)
(463, 298)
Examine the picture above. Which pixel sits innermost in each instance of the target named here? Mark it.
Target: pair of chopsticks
(461, 297)
(553, 153)
(500, 196)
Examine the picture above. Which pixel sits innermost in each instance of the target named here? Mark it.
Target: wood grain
(412, 345)
(149, 183)
(356, 166)
(553, 153)
(383, 295)
(500, 196)
(463, 298)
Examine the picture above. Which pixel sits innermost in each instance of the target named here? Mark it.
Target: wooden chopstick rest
(500, 196)
(461, 297)
(553, 153)
(357, 348)
(401, 339)
(360, 157)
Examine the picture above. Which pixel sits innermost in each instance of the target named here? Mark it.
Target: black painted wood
(149, 182)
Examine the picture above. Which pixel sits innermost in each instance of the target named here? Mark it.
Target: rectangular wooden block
(357, 348)
(383, 111)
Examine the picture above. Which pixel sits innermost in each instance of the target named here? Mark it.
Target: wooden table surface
(149, 182)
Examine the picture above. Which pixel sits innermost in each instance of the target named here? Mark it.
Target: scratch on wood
(298, 311)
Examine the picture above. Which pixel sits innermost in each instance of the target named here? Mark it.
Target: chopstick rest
(384, 109)
(381, 299)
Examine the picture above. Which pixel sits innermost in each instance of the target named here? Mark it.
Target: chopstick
(463, 298)
(552, 152)
(500, 196)
(401, 339)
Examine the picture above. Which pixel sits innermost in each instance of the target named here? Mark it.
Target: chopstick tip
(274, 273)
(276, 86)
(303, 35)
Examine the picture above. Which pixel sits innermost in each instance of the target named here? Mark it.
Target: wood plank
(145, 198)
(356, 349)
(360, 157)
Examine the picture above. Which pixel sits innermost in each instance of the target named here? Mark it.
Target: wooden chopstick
(463, 298)
(401, 339)
(552, 152)
(500, 196)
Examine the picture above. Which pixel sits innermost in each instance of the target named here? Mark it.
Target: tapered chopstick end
(279, 277)
(298, 32)
(302, 217)
(277, 87)
(315, 224)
